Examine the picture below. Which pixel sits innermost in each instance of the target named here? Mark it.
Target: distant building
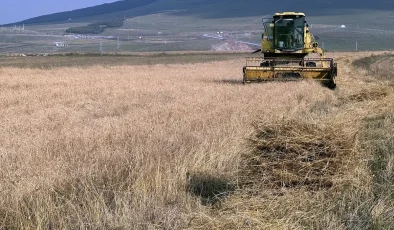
(60, 44)
(343, 26)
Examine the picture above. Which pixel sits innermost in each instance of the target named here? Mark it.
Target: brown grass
(290, 154)
(380, 66)
(164, 147)
(370, 94)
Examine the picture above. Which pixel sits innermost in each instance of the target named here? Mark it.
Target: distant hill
(89, 11)
(210, 8)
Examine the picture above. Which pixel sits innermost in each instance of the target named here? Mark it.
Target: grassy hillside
(89, 11)
(373, 30)
(176, 25)
(211, 9)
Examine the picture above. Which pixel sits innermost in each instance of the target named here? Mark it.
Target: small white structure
(343, 26)
(60, 44)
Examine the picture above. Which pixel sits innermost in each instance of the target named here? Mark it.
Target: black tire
(331, 84)
(272, 63)
(310, 64)
(268, 64)
(265, 64)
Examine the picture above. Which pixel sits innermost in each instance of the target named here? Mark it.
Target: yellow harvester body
(286, 43)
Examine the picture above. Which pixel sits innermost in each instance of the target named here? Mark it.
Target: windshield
(269, 31)
(289, 33)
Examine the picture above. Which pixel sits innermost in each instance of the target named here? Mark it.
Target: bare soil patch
(229, 45)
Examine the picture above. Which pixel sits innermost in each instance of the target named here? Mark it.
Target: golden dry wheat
(117, 147)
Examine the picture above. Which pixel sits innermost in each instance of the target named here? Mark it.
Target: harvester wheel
(310, 64)
(268, 63)
(331, 84)
(265, 64)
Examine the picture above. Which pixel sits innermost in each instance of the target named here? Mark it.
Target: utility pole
(356, 46)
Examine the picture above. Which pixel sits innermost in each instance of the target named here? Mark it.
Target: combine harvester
(286, 43)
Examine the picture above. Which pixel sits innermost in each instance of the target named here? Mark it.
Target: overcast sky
(18, 10)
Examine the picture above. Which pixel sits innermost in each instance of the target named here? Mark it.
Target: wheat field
(187, 146)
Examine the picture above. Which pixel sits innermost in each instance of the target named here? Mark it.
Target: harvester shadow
(240, 82)
(228, 81)
(210, 189)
